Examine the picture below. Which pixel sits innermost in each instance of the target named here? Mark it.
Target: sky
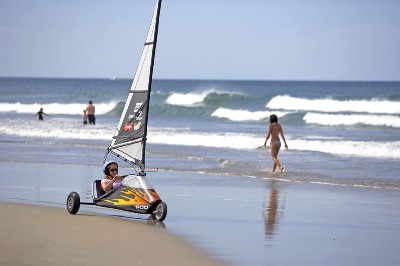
(203, 39)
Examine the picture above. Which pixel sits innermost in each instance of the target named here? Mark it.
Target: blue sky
(207, 39)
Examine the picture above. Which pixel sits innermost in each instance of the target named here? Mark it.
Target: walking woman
(273, 131)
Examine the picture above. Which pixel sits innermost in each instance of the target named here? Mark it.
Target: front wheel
(160, 212)
(73, 202)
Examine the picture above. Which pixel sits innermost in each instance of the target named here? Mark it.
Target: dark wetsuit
(40, 115)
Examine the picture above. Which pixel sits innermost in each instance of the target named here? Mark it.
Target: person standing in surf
(90, 113)
(274, 130)
(84, 117)
(40, 114)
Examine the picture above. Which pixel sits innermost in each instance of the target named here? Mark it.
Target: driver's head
(113, 169)
(110, 168)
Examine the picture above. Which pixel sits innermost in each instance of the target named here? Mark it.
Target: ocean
(338, 133)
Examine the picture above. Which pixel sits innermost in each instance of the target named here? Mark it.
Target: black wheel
(160, 212)
(73, 202)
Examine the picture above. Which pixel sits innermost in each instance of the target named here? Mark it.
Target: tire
(73, 202)
(160, 212)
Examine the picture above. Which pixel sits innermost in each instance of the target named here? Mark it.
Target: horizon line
(114, 78)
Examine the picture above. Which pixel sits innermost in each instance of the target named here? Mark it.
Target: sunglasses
(115, 169)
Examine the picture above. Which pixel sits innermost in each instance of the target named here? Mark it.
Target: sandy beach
(36, 235)
(211, 220)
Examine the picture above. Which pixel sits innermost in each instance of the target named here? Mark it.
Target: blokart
(135, 194)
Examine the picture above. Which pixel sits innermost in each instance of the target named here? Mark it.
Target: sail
(129, 141)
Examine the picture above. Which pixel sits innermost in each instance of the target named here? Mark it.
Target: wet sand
(235, 220)
(36, 235)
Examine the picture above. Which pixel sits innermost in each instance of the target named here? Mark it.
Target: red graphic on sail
(128, 126)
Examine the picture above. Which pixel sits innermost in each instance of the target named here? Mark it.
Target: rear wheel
(160, 212)
(73, 202)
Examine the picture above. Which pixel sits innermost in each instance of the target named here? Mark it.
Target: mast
(143, 167)
(130, 137)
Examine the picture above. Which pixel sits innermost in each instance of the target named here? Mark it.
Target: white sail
(129, 141)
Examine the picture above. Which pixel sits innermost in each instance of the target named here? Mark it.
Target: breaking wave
(245, 115)
(193, 99)
(377, 106)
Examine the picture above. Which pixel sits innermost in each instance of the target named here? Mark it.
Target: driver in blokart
(111, 179)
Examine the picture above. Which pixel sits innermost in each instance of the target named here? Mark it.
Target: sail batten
(129, 140)
(128, 143)
(138, 91)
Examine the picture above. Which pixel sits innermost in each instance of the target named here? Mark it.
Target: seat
(98, 191)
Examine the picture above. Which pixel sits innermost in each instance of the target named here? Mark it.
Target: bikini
(277, 144)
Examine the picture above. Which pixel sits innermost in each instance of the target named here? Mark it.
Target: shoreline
(229, 219)
(38, 235)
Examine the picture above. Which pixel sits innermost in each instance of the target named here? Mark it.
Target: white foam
(321, 137)
(250, 141)
(372, 149)
(352, 119)
(61, 128)
(244, 115)
(56, 108)
(286, 102)
(206, 139)
(57, 128)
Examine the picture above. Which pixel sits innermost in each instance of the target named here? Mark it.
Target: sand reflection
(272, 211)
